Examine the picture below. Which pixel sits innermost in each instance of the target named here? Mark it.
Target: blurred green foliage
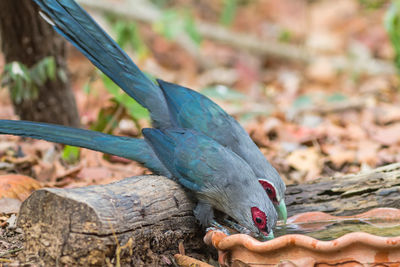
(336, 97)
(285, 36)
(309, 100)
(174, 23)
(108, 117)
(223, 92)
(135, 110)
(191, 29)
(228, 12)
(24, 82)
(162, 3)
(302, 101)
(372, 4)
(71, 154)
(128, 35)
(392, 26)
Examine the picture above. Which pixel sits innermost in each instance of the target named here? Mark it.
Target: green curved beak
(282, 212)
(270, 235)
(263, 237)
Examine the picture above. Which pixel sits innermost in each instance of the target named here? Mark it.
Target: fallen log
(140, 221)
(140, 218)
(349, 194)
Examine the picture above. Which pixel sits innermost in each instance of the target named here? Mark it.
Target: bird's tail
(130, 148)
(76, 25)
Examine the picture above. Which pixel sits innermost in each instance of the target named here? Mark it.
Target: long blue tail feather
(131, 148)
(82, 31)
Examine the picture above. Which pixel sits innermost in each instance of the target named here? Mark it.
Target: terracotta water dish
(359, 248)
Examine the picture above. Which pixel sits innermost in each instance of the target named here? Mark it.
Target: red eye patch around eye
(269, 189)
(257, 214)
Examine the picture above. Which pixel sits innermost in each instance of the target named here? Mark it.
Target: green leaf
(122, 32)
(18, 88)
(336, 97)
(229, 12)
(222, 92)
(111, 87)
(170, 25)
(62, 75)
(103, 118)
(302, 101)
(134, 108)
(372, 4)
(137, 42)
(71, 154)
(51, 68)
(40, 72)
(24, 82)
(392, 26)
(191, 29)
(87, 87)
(285, 36)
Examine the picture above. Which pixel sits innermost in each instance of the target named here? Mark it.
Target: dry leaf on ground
(17, 186)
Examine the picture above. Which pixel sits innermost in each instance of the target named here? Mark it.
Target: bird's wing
(190, 109)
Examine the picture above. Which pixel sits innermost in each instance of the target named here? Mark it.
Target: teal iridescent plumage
(170, 105)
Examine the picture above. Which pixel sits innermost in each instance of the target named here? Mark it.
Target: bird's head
(256, 213)
(277, 199)
(260, 220)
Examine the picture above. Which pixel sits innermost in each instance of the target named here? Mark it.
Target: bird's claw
(218, 227)
(243, 230)
(237, 227)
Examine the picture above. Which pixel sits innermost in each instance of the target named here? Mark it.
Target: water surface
(332, 229)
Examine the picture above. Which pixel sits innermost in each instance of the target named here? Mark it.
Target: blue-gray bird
(170, 105)
(218, 177)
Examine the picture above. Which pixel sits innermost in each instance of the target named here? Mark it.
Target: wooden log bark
(346, 195)
(150, 215)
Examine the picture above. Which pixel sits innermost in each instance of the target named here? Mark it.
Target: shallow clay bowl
(352, 249)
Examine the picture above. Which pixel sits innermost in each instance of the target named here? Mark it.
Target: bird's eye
(270, 190)
(259, 218)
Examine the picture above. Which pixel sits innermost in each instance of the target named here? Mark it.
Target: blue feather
(82, 31)
(165, 146)
(130, 148)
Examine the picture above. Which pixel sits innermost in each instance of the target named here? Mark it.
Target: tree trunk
(27, 38)
(150, 215)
